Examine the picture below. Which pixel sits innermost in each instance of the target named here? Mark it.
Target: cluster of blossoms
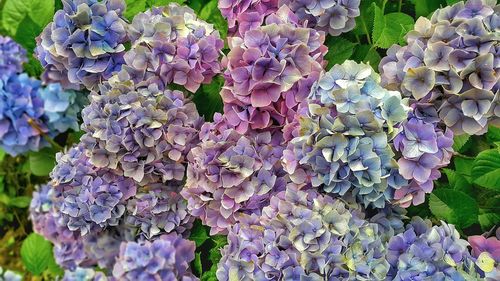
(229, 173)
(84, 43)
(166, 258)
(424, 148)
(86, 274)
(171, 45)
(12, 57)
(143, 133)
(303, 235)
(29, 111)
(92, 199)
(424, 252)
(270, 72)
(451, 62)
(486, 251)
(334, 16)
(342, 143)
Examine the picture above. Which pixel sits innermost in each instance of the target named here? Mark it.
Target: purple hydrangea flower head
(143, 133)
(12, 57)
(166, 258)
(85, 274)
(22, 120)
(424, 251)
(332, 16)
(9, 275)
(342, 143)
(171, 45)
(84, 43)
(451, 62)
(303, 235)
(61, 108)
(270, 71)
(424, 148)
(158, 209)
(92, 198)
(229, 173)
(486, 252)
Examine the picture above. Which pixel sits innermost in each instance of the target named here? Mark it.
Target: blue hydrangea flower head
(22, 120)
(12, 57)
(84, 43)
(342, 143)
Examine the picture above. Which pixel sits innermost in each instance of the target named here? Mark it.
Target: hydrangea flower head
(270, 71)
(424, 148)
(424, 251)
(9, 275)
(303, 235)
(93, 198)
(166, 258)
(22, 120)
(229, 173)
(143, 133)
(61, 107)
(333, 16)
(12, 57)
(450, 62)
(171, 45)
(486, 252)
(84, 43)
(84, 274)
(342, 143)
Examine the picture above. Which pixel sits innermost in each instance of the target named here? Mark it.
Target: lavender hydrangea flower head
(230, 173)
(22, 120)
(303, 235)
(486, 252)
(343, 142)
(84, 274)
(333, 16)
(450, 62)
(61, 107)
(424, 148)
(270, 72)
(93, 198)
(84, 43)
(424, 251)
(171, 45)
(166, 258)
(12, 57)
(144, 133)
(158, 209)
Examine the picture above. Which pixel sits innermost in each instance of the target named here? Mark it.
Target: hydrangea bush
(277, 153)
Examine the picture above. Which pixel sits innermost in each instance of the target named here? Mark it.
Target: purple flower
(12, 57)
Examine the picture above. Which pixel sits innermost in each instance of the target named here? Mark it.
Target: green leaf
(26, 35)
(458, 181)
(36, 253)
(198, 269)
(463, 166)
(15, 12)
(339, 50)
(388, 29)
(159, 3)
(423, 8)
(33, 67)
(20, 201)
(493, 134)
(53, 268)
(454, 207)
(42, 162)
(2, 154)
(198, 233)
(486, 169)
(488, 219)
(460, 141)
(366, 54)
(364, 21)
(208, 99)
(451, 2)
(134, 7)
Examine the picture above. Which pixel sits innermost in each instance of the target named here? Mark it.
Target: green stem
(44, 135)
(400, 4)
